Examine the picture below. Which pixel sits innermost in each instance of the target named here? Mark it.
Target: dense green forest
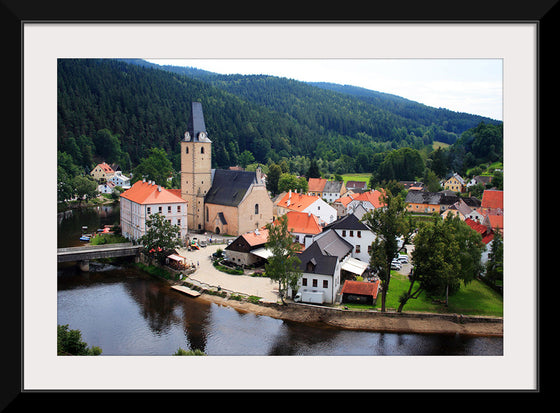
(117, 111)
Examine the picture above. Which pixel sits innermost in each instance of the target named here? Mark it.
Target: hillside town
(326, 221)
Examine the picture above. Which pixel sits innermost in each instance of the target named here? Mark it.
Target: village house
(356, 187)
(349, 203)
(106, 188)
(480, 179)
(360, 292)
(464, 211)
(455, 183)
(222, 201)
(303, 225)
(333, 190)
(356, 233)
(321, 265)
(423, 201)
(487, 235)
(146, 198)
(120, 180)
(293, 201)
(315, 186)
(492, 207)
(248, 249)
(102, 171)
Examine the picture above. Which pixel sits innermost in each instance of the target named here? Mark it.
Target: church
(219, 201)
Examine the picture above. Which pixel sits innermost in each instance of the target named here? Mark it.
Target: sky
(463, 85)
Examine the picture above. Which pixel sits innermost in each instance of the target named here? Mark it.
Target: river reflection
(127, 312)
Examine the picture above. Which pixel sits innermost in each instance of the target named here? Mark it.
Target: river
(127, 312)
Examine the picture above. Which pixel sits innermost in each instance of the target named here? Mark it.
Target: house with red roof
(248, 248)
(360, 292)
(368, 200)
(487, 235)
(302, 225)
(492, 208)
(102, 171)
(146, 198)
(294, 201)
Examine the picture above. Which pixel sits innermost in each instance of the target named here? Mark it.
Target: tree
(155, 167)
(289, 181)
(161, 238)
(313, 171)
(273, 176)
(495, 263)
(388, 224)
(245, 158)
(69, 343)
(283, 265)
(446, 253)
(84, 187)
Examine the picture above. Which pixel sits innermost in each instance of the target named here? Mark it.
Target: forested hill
(116, 110)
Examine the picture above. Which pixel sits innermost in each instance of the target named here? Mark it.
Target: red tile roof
(258, 238)
(360, 288)
(303, 223)
(147, 193)
(316, 184)
(487, 234)
(297, 202)
(492, 198)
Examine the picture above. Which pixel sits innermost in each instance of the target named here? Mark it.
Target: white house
(146, 198)
(321, 264)
(356, 233)
(106, 188)
(120, 180)
(293, 201)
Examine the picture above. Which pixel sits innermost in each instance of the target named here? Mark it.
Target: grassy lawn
(356, 177)
(473, 299)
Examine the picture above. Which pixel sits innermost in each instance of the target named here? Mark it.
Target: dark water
(127, 312)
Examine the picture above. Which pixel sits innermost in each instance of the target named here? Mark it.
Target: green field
(474, 299)
(356, 177)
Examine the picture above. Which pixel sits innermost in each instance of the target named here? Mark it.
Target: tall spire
(196, 129)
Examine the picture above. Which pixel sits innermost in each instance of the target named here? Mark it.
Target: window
(351, 233)
(187, 149)
(202, 150)
(149, 210)
(256, 209)
(325, 283)
(178, 208)
(178, 221)
(169, 209)
(343, 232)
(358, 249)
(160, 209)
(314, 282)
(304, 282)
(359, 234)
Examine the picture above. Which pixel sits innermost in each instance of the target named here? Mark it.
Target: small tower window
(202, 149)
(187, 149)
(256, 209)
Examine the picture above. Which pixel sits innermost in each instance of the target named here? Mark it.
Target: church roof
(196, 124)
(229, 187)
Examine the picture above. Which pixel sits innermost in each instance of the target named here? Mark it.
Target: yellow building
(455, 183)
(102, 171)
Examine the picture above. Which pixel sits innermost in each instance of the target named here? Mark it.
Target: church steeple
(196, 164)
(196, 129)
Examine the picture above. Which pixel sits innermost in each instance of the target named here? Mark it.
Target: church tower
(196, 167)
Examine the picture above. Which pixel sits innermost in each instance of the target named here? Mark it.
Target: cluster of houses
(325, 221)
(109, 177)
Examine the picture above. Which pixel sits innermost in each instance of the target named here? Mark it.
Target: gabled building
(293, 201)
(303, 225)
(321, 264)
(356, 233)
(455, 183)
(367, 200)
(315, 186)
(247, 249)
(146, 198)
(333, 190)
(102, 171)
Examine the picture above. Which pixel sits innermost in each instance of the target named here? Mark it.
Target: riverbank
(209, 278)
(390, 322)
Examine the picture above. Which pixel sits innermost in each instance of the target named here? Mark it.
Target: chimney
(159, 188)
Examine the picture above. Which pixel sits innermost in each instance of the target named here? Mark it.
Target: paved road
(206, 273)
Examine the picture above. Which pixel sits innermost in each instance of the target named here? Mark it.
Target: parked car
(396, 264)
(403, 259)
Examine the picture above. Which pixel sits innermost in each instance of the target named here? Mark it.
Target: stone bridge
(82, 255)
